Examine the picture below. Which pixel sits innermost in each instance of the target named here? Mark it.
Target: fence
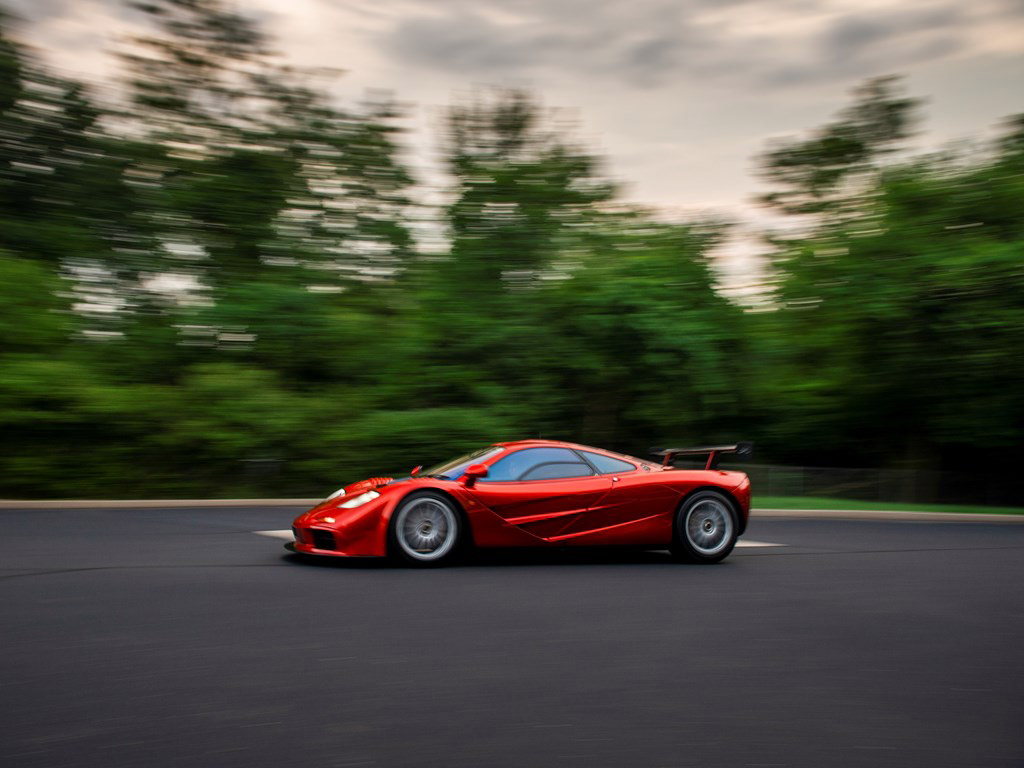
(894, 485)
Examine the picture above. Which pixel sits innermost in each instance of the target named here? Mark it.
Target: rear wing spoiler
(712, 452)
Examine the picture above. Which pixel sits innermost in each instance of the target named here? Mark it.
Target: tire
(426, 529)
(705, 529)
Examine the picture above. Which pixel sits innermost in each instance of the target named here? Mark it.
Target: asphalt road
(179, 638)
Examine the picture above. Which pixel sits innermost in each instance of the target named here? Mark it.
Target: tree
(522, 195)
(257, 166)
(896, 323)
(63, 193)
(816, 175)
(640, 347)
(520, 188)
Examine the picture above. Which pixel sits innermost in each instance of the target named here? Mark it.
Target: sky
(679, 96)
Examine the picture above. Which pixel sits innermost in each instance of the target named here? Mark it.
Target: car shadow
(566, 556)
(345, 563)
(491, 558)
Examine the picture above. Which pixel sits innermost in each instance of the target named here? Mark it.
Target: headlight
(361, 499)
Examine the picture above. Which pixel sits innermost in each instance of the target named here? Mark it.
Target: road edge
(153, 503)
(880, 514)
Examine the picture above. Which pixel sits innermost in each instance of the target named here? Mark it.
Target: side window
(514, 466)
(554, 471)
(606, 465)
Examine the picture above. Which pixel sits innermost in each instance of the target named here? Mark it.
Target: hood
(367, 485)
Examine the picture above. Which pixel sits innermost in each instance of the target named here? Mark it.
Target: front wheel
(425, 529)
(705, 528)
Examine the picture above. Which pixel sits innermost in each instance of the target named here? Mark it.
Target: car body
(534, 493)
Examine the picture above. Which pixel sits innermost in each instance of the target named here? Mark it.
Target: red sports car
(533, 493)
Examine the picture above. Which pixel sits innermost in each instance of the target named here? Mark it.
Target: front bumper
(335, 542)
(295, 549)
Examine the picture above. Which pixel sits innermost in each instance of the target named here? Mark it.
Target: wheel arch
(467, 539)
(741, 522)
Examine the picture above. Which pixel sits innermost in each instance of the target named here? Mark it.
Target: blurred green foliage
(215, 290)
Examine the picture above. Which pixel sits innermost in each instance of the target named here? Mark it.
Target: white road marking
(287, 536)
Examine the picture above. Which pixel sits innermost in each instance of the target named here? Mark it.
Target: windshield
(453, 469)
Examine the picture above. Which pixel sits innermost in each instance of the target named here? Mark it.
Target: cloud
(678, 94)
(38, 10)
(862, 45)
(470, 46)
(646, 44)
(650, 42)
(861, 35)
(639, 47)
(656, 54)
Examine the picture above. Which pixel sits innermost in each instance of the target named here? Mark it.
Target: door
(638, 509)
(542, 491)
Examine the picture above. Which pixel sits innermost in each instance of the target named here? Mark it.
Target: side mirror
(416, 470)
(473, 473)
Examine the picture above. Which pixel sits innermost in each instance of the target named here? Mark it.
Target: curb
(781, 514)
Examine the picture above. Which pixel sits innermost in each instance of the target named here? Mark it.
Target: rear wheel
(705, 528)
(425, 529)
